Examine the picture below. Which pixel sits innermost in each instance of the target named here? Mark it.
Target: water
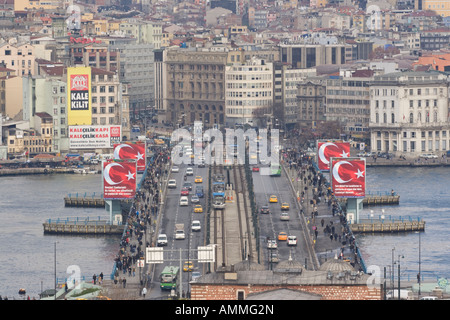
(423, 193)
(27, 256)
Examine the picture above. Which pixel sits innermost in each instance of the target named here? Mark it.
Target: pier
(82, 225)
(94, 200)
(388, 225)
(376, 200)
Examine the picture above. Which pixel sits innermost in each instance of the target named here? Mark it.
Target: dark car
(265, 209)
(188, 185)
(199, 191)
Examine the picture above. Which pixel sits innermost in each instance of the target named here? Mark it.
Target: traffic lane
(271, 224)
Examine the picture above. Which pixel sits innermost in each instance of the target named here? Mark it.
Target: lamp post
(55, 268)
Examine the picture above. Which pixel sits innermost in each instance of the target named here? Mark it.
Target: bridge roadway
(310, 251)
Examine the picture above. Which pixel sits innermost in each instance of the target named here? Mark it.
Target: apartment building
(409, 113)
(96, 55)
(19, 57)
(105, 93)
(311, 99)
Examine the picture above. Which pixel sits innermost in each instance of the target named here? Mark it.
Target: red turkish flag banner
(132, 151)
(119, 179)
(348, 177)
(329, 149)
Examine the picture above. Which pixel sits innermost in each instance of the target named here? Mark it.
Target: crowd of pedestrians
(315, 191)
(140, 219)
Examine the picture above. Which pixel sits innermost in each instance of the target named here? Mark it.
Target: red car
(255, 169)
(184, 191)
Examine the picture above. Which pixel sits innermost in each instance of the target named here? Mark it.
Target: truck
(179, 231)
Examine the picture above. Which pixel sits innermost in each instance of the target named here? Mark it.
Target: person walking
(124, 281)
(94, 279)
(100, 278)
(144, 292)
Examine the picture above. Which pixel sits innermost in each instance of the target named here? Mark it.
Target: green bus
(169, 278)
(275, 170)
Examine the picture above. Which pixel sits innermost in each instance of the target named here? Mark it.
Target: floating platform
(81, 226)
(377, 200)
(84, 202)
(387, 226)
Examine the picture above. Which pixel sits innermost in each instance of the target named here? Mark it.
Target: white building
(248, 92)
(409, 113)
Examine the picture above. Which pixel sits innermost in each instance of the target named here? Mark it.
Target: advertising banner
(119, 179)
(329, 149)
(79, 96)
(94, 137)
(348, 177)
(133, 151)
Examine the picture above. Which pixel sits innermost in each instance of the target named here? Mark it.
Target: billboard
(94, 137)
(119, 179)
(79, 96)
(348, 177)
(133, 151)
(328, 149)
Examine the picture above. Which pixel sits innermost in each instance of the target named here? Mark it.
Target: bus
(275, 170)
(169, 278)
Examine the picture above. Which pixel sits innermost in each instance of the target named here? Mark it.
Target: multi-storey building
(34, 141)
(96, 55)
(249, 92)
(311, 98)
(347, 101)
(442, 7)
(143, 31)
(195, 86)
(137, 71)
(105, 92)
(312, 55)
(18, 57)
(409, 113)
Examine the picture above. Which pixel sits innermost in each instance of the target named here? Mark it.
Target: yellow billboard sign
(79, 96)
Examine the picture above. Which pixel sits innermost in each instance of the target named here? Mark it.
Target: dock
(377, 200)
(85, 225)
(84, 200)
(389, 225)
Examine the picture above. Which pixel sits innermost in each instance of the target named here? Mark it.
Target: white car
(162, 240)
(272, 244)
(172, 183)
(284, 216)
(428, 156)
(195, 199)
(175, 169)
(189, 171)
(196, 226)
(184, 201)
(292, 241)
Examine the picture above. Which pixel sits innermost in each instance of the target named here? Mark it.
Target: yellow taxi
(273, 199)
(282, 236)
(188, 266)
(198, 179)
(285, 206)
(198, 208)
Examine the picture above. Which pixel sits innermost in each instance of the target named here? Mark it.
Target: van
(162, 240)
